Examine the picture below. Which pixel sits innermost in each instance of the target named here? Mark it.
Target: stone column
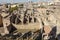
(6, 23)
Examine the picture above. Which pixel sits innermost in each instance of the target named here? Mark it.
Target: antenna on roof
(11, 1)
(28, 0)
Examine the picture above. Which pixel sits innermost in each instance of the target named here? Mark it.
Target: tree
(11, 9)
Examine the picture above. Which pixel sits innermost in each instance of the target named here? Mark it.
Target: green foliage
(11, 9)
(42, 6)
(21, 5)
(51, 4)
(6, 5)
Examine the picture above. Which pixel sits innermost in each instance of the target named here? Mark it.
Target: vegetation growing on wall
(11, 9)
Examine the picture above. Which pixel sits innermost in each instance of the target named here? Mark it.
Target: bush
(11, 9)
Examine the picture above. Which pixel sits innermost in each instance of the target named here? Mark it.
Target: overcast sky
(9, 1)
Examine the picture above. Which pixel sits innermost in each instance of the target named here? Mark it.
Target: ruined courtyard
(40, 19)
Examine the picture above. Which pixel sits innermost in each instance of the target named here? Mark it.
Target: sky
(9, 1)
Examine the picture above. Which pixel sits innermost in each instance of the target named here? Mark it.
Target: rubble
(31, 16)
